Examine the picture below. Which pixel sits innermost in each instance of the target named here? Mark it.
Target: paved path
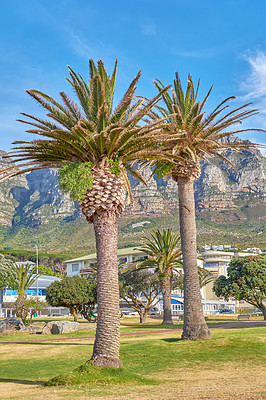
(229, 325)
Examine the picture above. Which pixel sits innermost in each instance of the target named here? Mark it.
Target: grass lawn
(231, 365)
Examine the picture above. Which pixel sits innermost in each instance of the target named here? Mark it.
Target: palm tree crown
(90, 132)
(162, 249)
(196, 135)
(26, 276)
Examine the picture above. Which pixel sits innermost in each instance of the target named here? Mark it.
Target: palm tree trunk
(195, 326)
(107, 341)
(167, 293)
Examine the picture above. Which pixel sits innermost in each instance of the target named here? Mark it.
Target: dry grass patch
(228, 366)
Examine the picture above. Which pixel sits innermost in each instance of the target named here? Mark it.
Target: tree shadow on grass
(22, 381)
(252, 325)
(170, 340)
(51, 343)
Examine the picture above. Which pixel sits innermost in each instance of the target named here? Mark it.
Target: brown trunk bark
(142, 318)
(166, 288)
(75, 315)
(107, 341)
(195, 326)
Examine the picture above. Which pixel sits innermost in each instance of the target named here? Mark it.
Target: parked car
(223, 311)
(257, 312)
(154, 311)
(56, 315)
(130, 313)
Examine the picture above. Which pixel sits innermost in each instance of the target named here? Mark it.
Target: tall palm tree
(162, 248)
(93, 145)
(196, 136)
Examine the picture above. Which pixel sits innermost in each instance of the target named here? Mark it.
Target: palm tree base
(195, 333)
(105, 361)
(167, 321)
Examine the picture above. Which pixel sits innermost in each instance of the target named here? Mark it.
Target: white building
(8, 296)
(82, 265)
(217, 263)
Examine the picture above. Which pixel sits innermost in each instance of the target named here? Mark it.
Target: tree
(163, 255)
(93, 145)
(76, 293)
(26, 276)
(24, 306)
(8, 274)
(137, 284)
(246, 281)
(196, 136)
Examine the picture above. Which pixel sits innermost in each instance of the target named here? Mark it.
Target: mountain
(230, 207)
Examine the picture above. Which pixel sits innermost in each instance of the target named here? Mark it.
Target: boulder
(11, 325)
(57, 327)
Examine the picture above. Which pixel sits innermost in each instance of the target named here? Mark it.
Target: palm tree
(93, 146)
(196, 136)
(26, 276)
(205, 277)
(164, 255)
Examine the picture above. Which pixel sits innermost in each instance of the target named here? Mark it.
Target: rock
(57, 327)
(11, 325)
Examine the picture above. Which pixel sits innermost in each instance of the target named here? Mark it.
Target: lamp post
(37, 268)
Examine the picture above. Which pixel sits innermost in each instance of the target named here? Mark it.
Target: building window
(75, 267)
(122, 260)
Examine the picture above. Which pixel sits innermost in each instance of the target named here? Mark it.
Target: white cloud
(79, 46)
(262, 150)
(149, 29)
(253, 85)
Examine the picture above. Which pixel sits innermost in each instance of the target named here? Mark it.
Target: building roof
(44, 281)
(120, 253)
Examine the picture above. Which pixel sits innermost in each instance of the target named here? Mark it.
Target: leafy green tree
(195, 136)
(25, 306)
(94, 145)
(141, 290)
(47, 271)
(76, 293)
(162, 248)
(246, 281)
(8, 274)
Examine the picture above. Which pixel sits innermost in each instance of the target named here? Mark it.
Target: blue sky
(222, 42)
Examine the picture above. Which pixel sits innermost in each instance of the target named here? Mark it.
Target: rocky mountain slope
(223, 195)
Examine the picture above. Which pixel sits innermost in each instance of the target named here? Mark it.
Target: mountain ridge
(32, 205)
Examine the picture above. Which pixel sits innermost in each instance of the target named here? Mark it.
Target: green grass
(143, 356)
(151, 363)
(89, 375)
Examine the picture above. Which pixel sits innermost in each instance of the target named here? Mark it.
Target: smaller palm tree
(27, 275)
(162, 248)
